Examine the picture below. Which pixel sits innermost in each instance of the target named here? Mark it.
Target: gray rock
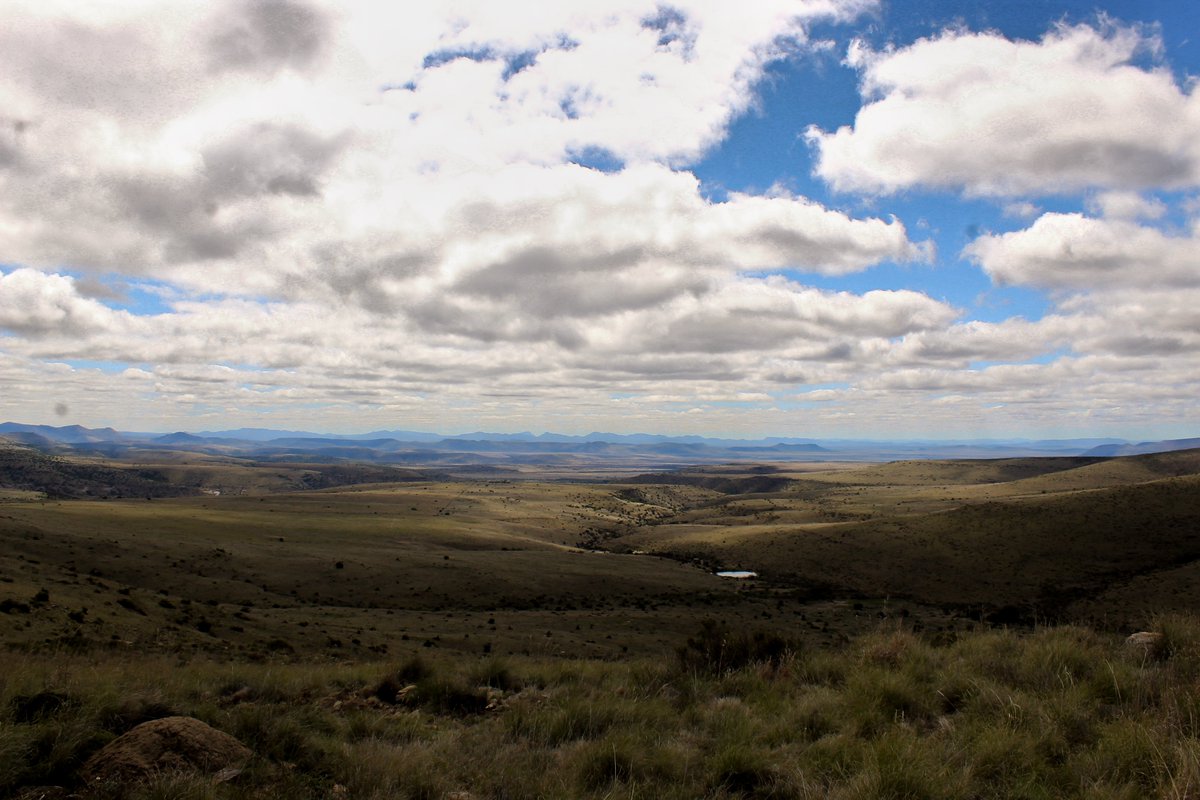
(168, 744)
(1147, 643)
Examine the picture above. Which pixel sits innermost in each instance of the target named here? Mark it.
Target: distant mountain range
(1142, 448)
(481, 448)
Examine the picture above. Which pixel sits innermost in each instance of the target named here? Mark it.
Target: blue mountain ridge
(407, 444)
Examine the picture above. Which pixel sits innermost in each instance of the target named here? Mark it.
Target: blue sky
(767, 146)
(796, 217)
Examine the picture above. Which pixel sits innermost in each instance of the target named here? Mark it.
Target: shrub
(40, 705)
(446, 696)
(601, 764)
(413, 670)
(741, 769)
(1180, 642)
(715, 649)
(496, 674)
(877, 698)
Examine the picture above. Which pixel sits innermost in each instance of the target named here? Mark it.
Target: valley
(597, 567)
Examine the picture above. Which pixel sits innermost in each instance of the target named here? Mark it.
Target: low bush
(716, 649)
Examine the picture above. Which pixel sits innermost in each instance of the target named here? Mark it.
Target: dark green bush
(715, 649)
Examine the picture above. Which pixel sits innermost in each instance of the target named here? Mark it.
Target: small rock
(1148, 644)
(1146, 639)
(172, 743)
(242, 695)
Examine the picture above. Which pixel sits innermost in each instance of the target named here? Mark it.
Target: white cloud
(1150, 322)
(385, 202)
(773, 317)
(682, 69)
(992, 116)
(1121, 289)
(738, 327)
(36, 305)
(1126, 205)
(1021, 209)
(287, 149)
(1064, 251)
(959, 345)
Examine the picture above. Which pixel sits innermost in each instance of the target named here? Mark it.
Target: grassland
(1058, 713)
(1052, 539)
(462, 566)
(571, 599)
(600, 570)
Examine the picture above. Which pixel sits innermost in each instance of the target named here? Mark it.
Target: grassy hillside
(958, 471)
(1060, 713)
(166, 473)
(26, 469)
(462, 566)
(1039, 554)
(1045, 537)
(569, 569)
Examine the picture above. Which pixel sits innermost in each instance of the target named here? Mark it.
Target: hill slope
(25, 468)
(1054, 534)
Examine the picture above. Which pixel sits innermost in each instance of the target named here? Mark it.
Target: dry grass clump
(1060, 713)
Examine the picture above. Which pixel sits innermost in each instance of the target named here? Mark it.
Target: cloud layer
(469, 214)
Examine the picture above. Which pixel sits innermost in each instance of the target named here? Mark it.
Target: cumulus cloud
(1127, 205)
(279, 147)
(580, 71)
(1149, 321)
(381, 202)
(992, 116)
(36, 305)
(778, 317)
(1021, 209)
(961, 344)
(1126, 297)
(264, 36)
(1064, 251)
(1121, 343)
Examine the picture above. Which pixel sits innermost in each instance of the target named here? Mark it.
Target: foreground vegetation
(1055, 713)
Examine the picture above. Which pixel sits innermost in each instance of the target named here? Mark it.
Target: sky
(811, 218)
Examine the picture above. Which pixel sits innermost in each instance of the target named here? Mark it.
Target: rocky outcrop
(168, 744)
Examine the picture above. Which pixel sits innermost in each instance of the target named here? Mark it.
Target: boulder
(168, 744)
(1147, 643)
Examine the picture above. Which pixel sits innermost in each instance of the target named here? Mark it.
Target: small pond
(736, 573)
